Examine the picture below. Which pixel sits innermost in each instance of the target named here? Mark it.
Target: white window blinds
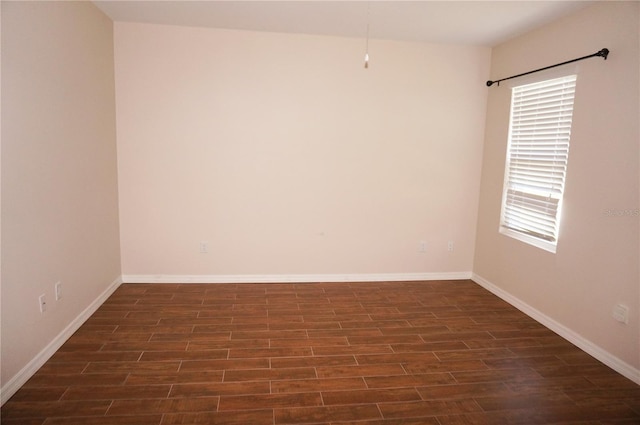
(539, 133)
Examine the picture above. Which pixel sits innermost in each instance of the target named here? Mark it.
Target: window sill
(538, 243)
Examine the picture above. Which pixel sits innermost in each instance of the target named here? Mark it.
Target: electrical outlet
(43, 303)
(58, 291)
(204, 247)
(422, 246)
(450, 246)
(621, 313)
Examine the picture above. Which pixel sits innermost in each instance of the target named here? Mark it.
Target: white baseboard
(14, 384)
(294, 278)
(584, 344)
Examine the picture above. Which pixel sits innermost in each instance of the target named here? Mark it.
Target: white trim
(584, 344)
(528, 239)
(14, 384)
(294, 278)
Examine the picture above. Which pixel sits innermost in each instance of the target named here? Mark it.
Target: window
(539, 133)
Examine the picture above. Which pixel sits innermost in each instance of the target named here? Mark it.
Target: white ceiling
(484, 23)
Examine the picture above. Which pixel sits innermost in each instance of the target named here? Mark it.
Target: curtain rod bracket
(603, 53)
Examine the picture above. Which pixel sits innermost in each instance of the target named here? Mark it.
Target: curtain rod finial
(489, 83)
(604, 53)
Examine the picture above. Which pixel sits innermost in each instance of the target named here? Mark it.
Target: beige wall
(596, 265)
(59, 174)
(288, 157)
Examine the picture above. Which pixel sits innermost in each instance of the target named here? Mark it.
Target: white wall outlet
(42, 300)
(58, 290)
(450, 246)
(204, 247)
(621, 313)
(422, 246)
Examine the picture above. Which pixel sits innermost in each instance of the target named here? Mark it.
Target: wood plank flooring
(382, 353)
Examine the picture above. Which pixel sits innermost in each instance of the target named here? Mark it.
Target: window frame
(510, 184)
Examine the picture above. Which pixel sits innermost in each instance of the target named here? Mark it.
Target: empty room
(320, 212)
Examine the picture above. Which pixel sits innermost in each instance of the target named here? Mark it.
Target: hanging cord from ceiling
(366, 54)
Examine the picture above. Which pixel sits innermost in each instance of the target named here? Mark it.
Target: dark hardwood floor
(437, 352)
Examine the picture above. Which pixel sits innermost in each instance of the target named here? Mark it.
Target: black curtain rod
(602, 53)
